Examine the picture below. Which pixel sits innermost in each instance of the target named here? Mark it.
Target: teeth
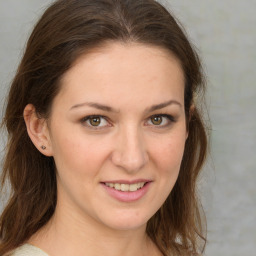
(126, 187)
(117, 186)
(134, 187)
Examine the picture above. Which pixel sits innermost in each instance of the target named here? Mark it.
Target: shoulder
(28, 250)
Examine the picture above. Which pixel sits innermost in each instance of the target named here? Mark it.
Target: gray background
(224, 32)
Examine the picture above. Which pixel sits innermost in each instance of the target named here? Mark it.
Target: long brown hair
(67, 29)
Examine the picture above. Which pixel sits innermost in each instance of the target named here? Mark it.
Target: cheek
(167, 153)
(167, 157)
(80, 155)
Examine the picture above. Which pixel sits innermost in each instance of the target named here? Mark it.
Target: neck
(65, 234)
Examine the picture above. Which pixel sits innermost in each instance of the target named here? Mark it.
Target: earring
(43, 147)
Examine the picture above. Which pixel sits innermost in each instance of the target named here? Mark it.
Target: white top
(28, 250)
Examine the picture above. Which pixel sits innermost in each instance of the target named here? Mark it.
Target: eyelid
(171, 120)
(86, 118)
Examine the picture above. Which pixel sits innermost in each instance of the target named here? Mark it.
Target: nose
(130, 151)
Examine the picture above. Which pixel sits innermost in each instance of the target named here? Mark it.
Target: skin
(127, 145)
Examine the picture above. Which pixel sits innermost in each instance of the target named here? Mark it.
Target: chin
(127, 221)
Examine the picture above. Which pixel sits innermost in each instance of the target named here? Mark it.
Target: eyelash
(84, 120)
(170, 120)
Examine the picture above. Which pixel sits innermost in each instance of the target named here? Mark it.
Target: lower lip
(127, 196)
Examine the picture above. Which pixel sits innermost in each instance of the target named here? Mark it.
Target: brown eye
(95, 121)
(160, 121)
(156, 120)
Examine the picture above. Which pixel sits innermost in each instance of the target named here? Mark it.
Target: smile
(127, 191)
(126, 187)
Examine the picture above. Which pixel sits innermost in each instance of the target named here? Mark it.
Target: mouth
(127, 191)
(124, 187)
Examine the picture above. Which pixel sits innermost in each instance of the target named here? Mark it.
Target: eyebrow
(110, 109)
(95, 105)
(163, 105)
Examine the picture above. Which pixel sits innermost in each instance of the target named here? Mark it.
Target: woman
(106, 140)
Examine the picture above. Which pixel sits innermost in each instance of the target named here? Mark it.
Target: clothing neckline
(34, 248)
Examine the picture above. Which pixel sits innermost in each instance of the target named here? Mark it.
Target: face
(117, 134)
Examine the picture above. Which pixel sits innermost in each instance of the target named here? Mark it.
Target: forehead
(124, 70)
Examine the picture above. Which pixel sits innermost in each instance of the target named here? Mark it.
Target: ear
(191, 112)
(37, 130)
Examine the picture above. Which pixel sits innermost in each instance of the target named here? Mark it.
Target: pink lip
(129, 196)
(126, 181)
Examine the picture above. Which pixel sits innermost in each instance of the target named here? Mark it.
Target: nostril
(129, 153)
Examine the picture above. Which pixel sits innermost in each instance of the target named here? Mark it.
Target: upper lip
(127, 181)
